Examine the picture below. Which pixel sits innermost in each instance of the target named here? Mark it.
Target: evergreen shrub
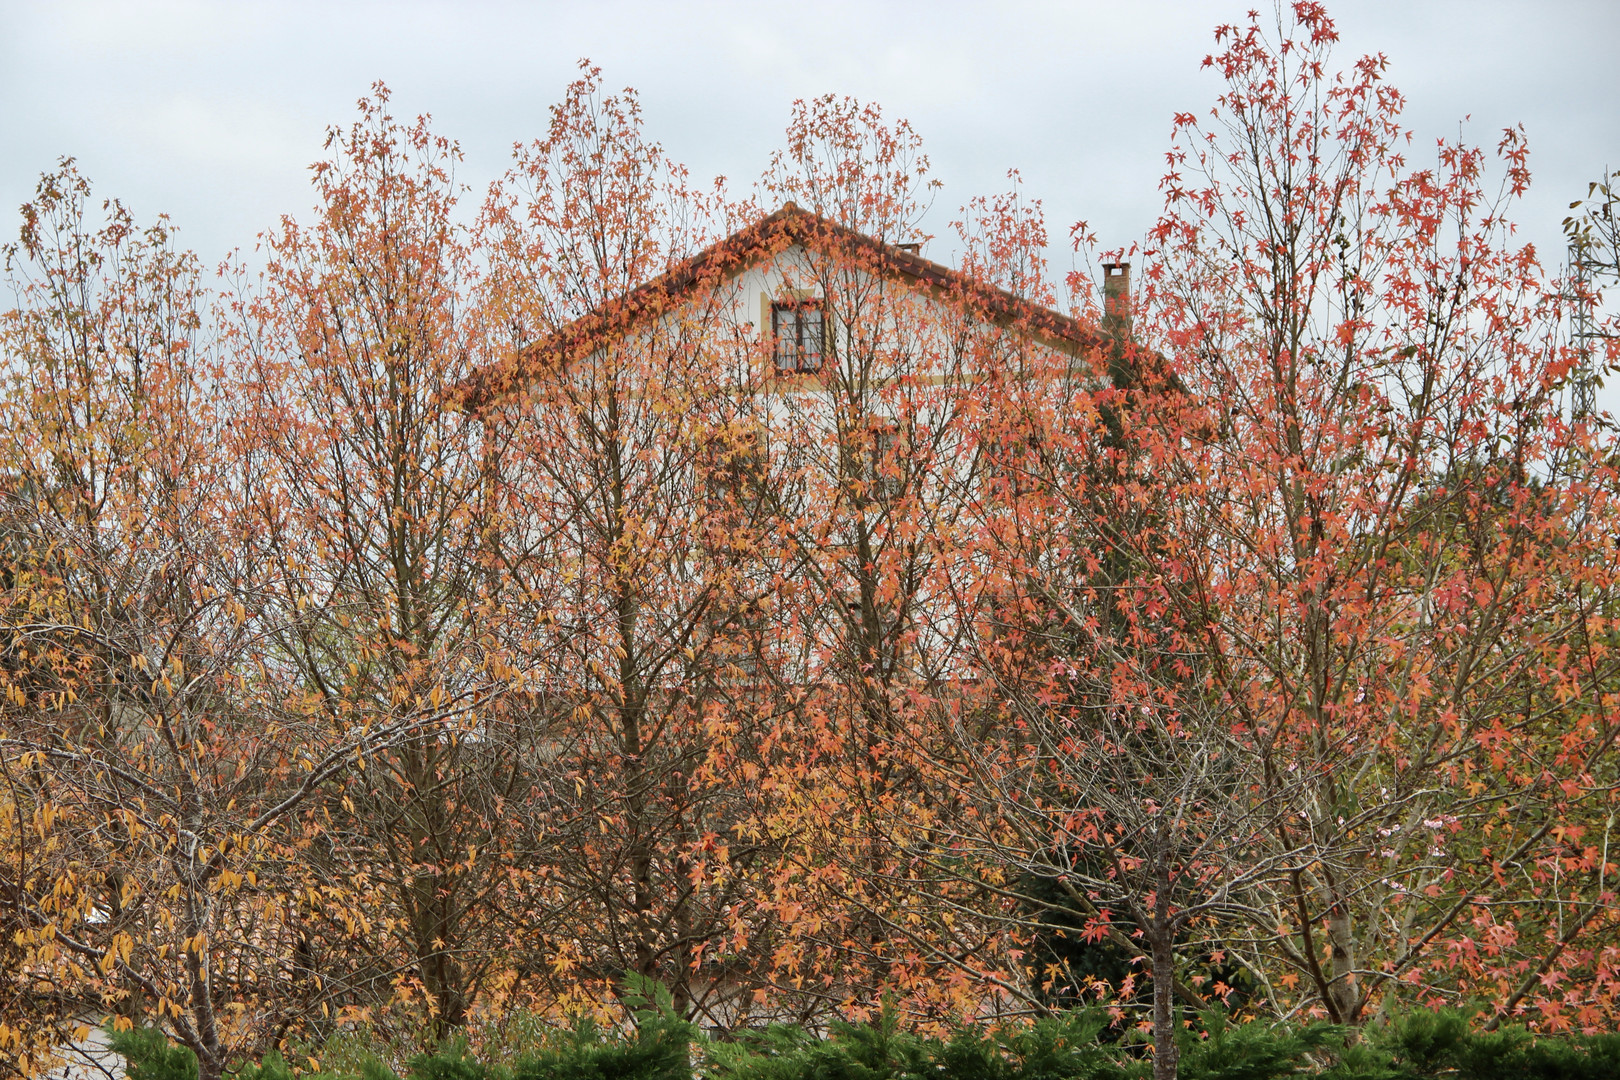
(1080, 1045)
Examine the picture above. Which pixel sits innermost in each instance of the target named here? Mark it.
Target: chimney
(1116, 320)
(910, 249)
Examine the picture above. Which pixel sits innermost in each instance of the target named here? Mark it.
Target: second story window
(800, 334)
(734, 472)
(885, 468)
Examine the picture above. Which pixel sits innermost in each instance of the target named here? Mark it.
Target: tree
(865, 439)
(150, 776)
(1398, 587)
(1103, 771)
(884, 459)
(632, 448)
(376, 510)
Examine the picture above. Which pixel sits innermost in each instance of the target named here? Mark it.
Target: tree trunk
(1165, 1051)
(1346, 995)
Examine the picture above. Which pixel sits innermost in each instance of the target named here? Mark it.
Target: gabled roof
(788, 227)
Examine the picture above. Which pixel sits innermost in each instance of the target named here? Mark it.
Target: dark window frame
(801, 360)
(736, 468)
(883, 440)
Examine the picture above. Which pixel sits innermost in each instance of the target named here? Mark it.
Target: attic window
(800, 334)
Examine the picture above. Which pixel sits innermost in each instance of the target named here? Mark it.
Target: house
(828, 342)
(838, 341)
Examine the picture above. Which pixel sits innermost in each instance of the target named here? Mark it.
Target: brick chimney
(1116, 320)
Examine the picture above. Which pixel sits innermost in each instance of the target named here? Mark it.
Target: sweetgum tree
(629, 458)
(1398, 585)
(376, 513)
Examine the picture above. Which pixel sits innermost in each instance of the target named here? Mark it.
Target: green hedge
(1076, 1046)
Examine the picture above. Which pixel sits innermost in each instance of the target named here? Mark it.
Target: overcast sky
(212, 111)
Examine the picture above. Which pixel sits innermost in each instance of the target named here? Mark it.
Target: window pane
(810, 338)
